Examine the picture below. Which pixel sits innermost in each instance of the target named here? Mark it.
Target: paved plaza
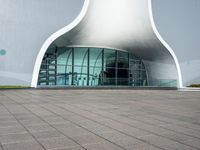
(68, 119)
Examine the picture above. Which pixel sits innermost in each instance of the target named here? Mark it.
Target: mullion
(88, 67)
(116, 67)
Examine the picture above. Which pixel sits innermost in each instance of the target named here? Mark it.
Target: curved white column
(120, 24)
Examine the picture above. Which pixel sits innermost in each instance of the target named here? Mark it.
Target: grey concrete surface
(99, 120)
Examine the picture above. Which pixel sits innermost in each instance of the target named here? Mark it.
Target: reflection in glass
(82, 66)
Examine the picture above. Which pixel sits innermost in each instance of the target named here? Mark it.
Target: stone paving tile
(71, 148)
(12, 130)
(139, 146)
(16, 109)
(54, 143)
(39, 128)
(110, 123)
(8, 115)
(94, 127)
(180, 129)
(13, 138)
(55, 120)
(176, 146)
(148, 120)
(74, 131)
(188, 125)
(4, 112)
(31, 122)
(38, 110)
(180, 137)
(47, 135)
(63, 125)
(5, 100)
(116, 136)
(127, 142)
(166, 143)
(100, 119)
(26, 116)
(193, 142)
(7, 118)
(134, 132)
(9, 124)
(30, 145)
(88, 139)
(102, 146)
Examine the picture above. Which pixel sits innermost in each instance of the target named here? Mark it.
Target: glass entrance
(84, 66)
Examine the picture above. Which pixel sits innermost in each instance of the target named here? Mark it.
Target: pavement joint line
(17, 142)
(144, 129)
(85, 128)
(14, 133)
(131, 126)
(23, 97)
(137, 128)
(110, 128)
(62, 148)
(140, 102)
(165, 121)
(21, 123)
(154, 124)
(25, 128)
(137, 102)
(171, 129)
(51, 126)
(138, 121)
(68, 136)
(1, 146)
(176, 124)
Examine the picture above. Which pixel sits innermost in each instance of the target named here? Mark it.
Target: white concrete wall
(24, 26)
(178, 22)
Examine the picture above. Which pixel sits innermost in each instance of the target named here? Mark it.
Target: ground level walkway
(99, 120)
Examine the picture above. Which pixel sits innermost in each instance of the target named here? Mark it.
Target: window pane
(109, 58)
(80, 56)
(119, 68)
(64, 56)
(80, 76)
(95, 57)
(94, 76)
(122, 60)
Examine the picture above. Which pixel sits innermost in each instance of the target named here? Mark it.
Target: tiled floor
(99, 120)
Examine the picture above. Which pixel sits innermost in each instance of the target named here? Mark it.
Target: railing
(98, 81)
(162, 83)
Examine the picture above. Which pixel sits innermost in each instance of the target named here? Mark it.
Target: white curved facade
(167, 44)
(126, 25)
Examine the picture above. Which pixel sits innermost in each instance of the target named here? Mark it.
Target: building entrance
(89, 66)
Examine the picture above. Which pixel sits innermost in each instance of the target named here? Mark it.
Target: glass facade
(83, 66)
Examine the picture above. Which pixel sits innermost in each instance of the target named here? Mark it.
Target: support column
(72, 66)
(88, 67)
(102, 69)
(116, 67)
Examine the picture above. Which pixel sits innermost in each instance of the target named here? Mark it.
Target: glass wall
(82, 66)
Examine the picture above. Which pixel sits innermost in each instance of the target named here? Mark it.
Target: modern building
(47, 43)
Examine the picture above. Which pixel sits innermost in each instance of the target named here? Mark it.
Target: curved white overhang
(120, 24)
(180, 80)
